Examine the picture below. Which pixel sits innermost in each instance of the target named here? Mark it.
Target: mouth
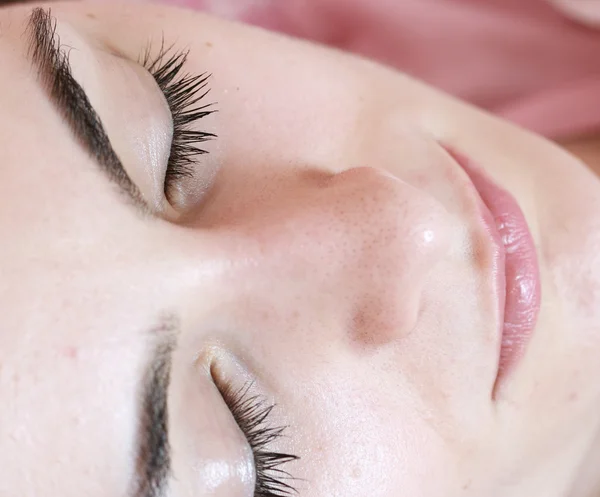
(517, 273)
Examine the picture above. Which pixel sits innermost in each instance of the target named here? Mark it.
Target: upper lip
(515, 268)
(495, 255)
(498, 259)
(493, 241)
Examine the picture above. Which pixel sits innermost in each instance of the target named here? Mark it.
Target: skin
(376, 29)
(379, 343)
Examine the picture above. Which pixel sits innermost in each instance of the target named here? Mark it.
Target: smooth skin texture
(336, 259)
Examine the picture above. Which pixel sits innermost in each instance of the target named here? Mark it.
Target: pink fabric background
(521, 59)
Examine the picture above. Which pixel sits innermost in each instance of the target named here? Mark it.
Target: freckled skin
(335, 257)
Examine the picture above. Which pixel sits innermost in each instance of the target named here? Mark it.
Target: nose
(363, 242)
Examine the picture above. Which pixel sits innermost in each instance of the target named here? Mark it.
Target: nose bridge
(364, 237)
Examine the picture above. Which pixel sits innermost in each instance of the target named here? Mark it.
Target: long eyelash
(183, 92)
(251, 412)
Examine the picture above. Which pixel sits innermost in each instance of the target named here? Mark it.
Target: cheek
(267, 114)
(369, 438)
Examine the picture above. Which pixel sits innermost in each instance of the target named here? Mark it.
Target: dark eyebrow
(153, 460)
(72, 103)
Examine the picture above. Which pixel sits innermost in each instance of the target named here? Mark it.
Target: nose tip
(387, 222)
(394, 237)
(360, 243)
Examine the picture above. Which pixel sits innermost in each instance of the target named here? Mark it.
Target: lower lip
(523, 285)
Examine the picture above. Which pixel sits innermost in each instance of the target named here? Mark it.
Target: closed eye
(184, 94)
(71, 101)
(252, 414)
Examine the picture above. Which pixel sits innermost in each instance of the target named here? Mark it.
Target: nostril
(381, 319)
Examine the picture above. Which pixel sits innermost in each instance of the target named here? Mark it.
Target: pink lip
(519, 285)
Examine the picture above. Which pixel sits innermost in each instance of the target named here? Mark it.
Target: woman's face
(327, 255)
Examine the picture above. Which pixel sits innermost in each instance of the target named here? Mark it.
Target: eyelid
(144, 133)
(132, 111)
(120, 94)
(256, 417)
(185, 94)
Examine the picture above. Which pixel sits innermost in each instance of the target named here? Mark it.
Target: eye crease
(184, 93)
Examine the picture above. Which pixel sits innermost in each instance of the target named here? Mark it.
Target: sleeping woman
(235, 264)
